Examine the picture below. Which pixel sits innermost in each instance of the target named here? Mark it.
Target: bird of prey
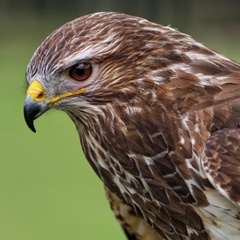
(158, 116)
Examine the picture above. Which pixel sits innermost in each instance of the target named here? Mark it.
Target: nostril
(40, 96)
(36, 91)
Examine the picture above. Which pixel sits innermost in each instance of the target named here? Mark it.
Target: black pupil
(80, 69)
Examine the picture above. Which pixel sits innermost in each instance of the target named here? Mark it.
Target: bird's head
(94, 60)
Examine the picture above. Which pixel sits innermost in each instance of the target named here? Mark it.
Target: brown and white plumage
(158, 119)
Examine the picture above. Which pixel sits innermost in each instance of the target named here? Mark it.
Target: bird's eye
(81, 71)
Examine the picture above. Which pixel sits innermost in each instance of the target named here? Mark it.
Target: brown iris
(81, 71)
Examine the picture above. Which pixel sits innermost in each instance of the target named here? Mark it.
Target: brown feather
(158, 122)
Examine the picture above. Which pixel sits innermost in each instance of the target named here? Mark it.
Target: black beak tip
(32, 110)
(29, 118)
(31, 125)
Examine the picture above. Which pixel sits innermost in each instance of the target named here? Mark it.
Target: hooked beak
(33, 110)
(35, 103)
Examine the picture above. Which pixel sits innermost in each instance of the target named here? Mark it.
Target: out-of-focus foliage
(185, 12)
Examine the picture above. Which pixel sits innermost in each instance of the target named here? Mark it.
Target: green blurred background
(47, 189)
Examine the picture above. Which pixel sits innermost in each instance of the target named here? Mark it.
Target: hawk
(158, 116)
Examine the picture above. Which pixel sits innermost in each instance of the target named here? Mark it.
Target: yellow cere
(36, 91)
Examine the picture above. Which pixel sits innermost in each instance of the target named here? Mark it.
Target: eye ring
(80, 71)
